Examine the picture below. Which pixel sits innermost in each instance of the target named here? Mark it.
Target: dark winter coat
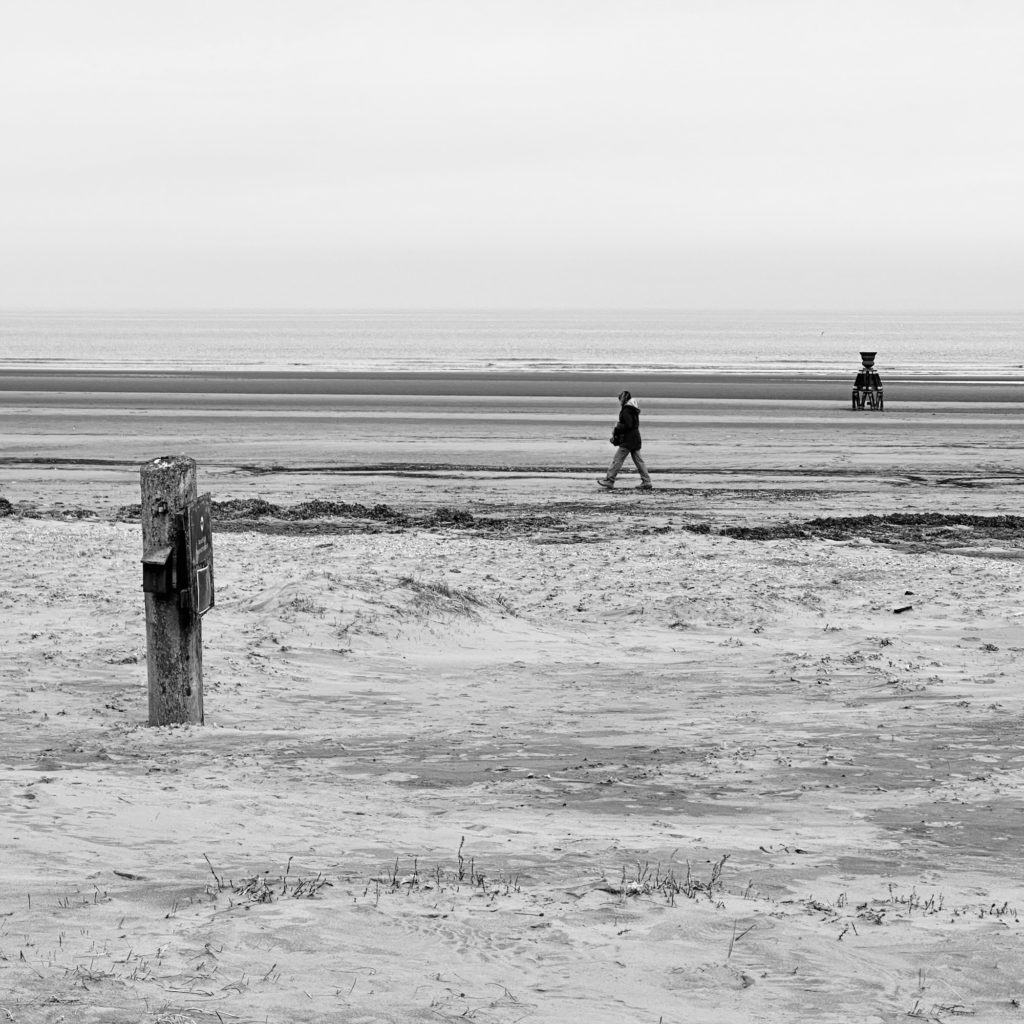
(627, 431)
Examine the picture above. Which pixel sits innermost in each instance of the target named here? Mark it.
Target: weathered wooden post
(177, 577)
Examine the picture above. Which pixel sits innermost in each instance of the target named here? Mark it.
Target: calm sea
(526, 341)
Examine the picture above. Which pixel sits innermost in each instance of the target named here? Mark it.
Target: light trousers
(620, 457)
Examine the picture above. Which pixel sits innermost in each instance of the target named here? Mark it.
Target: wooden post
(174, 634)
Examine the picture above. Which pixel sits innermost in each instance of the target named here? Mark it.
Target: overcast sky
(441, 153)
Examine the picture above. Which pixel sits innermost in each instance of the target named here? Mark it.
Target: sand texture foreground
(488, 744)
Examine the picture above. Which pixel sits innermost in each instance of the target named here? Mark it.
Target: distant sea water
(800, 342)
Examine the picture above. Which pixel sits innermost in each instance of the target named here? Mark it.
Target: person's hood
(634, 403)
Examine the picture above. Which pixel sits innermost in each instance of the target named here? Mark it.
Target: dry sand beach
(485, 743)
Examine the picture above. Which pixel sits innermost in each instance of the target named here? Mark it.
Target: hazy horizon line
(470, 310)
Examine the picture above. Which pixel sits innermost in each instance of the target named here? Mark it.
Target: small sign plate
(199, 548)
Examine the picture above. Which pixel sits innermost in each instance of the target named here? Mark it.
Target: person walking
(626, 438)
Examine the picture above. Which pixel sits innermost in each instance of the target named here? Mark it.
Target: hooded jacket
(627, 431)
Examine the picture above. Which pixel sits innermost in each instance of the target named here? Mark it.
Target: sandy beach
(485, 743)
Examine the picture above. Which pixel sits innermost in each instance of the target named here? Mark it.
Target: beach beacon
(867, 388)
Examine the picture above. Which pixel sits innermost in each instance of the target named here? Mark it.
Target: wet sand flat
(691, 422)
(946, 385)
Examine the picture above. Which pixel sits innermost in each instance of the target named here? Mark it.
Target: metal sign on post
(199, 555)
